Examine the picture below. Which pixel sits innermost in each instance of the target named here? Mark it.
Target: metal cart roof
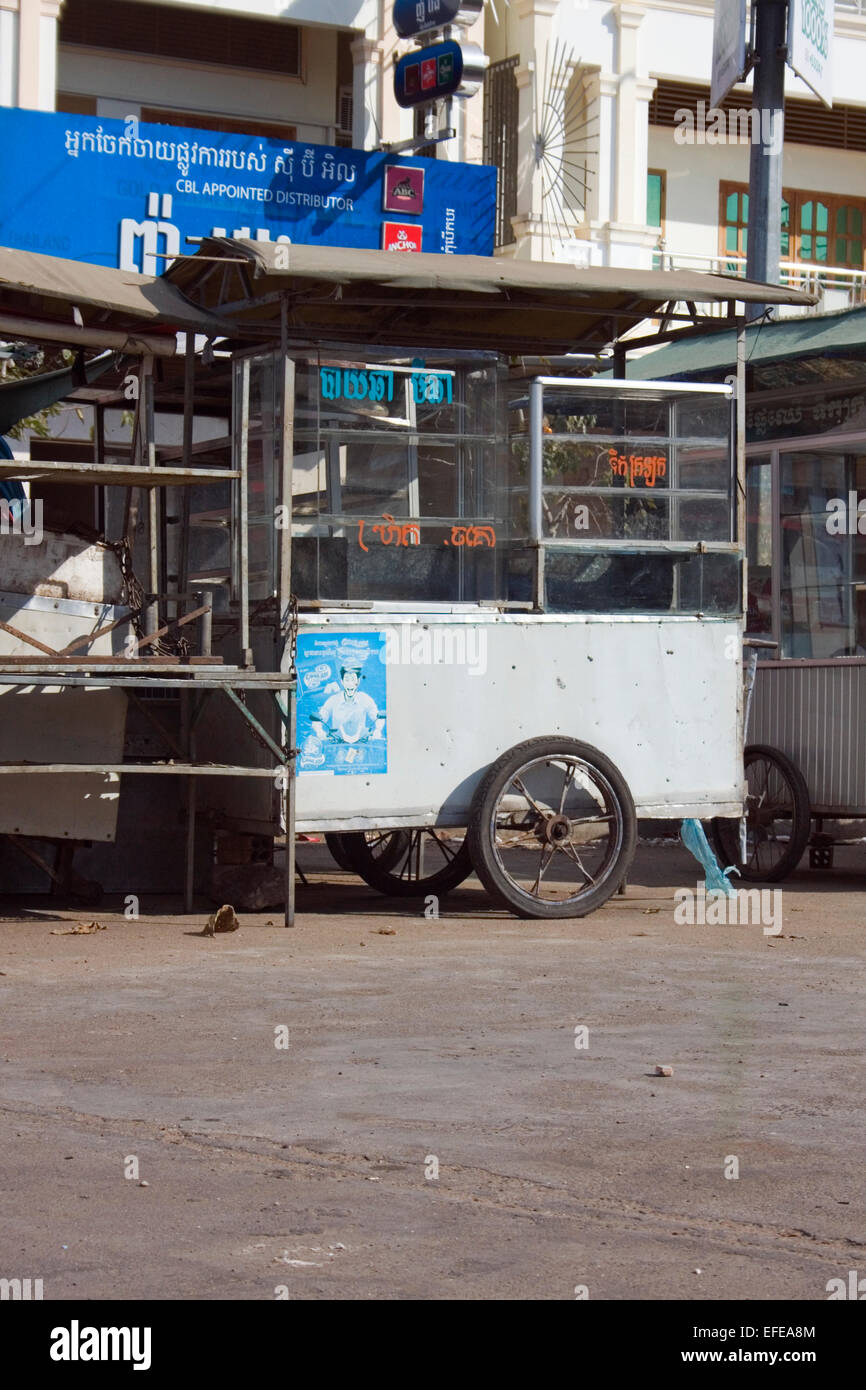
(511, 306)
(242, 289)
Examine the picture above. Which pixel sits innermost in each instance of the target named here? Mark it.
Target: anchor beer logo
(398, 236)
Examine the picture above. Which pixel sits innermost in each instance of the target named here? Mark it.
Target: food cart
(519, 594)
(512, 597)
(805, 426)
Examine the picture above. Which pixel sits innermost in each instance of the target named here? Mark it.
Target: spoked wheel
(335, 844)
(385, 846)
(778, 817)
(553, 829)
(425, 861)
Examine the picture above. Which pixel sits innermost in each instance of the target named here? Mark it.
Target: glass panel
(703, 417)
(823, 579)
(759, 545)
(582, 582)
(397, 493)
(805, 217)
(633, 463)
(264, 430)
(708, 469)
(646, 448)
(786, 230)
(705, 519)
(732, 207)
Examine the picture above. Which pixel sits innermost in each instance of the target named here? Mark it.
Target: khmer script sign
(129, 194)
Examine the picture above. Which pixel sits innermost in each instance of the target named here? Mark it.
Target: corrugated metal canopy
(345, 295)
(821, 335)
(48, 289)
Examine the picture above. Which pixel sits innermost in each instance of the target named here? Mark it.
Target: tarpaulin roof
(21, 398)
(345, 295)
(114, 307)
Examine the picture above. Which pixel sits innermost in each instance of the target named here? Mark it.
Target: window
(813, 600)
(759, 545)
(165, 31)
(823, 579)
(500, 141)
(655, 208)
(817, 228)
(229, 125)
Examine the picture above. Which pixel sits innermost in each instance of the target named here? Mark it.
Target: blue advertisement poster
(342, 704)
(128, 194)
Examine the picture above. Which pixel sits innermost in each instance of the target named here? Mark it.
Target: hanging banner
(810, 45)
(129, 194)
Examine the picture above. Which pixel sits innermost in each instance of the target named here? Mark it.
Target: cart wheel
(425, 862)
(338, 851)
(385, 845)
(553, 829)
(778, 818)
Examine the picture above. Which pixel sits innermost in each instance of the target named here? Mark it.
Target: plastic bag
(695, 841)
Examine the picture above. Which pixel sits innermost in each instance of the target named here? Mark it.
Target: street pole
(764, 247)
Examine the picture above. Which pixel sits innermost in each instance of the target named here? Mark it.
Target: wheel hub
(557, 829)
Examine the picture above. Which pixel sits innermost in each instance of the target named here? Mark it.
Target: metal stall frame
(196, 677)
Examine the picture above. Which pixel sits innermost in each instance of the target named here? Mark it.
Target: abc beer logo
(398, 236)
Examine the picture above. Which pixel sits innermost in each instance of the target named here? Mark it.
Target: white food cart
(511, 591)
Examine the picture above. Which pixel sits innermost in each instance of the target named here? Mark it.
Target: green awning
(715, 355)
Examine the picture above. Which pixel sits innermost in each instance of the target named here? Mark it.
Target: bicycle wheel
(424, 861)
(553, 830)
(778, 818)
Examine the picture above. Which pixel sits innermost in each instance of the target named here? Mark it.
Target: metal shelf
(170, 769)
(112, 473)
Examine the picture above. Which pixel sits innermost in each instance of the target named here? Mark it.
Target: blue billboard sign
(128, 194)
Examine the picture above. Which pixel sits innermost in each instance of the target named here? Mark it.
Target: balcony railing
(837, 287)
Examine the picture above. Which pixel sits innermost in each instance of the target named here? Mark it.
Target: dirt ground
(381, 1105)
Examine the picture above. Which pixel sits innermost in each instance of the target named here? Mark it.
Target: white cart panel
(661, 697)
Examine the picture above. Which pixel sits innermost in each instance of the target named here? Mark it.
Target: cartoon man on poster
(349, 716)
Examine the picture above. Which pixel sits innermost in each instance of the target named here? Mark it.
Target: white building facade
(597, 171)
(317, 71)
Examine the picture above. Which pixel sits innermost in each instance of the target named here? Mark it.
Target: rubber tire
(725, 833)
(379, 876)
(334, 841)
(498, 885)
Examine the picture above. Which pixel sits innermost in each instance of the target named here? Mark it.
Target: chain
(292, 635)
(134, 596)
(132, 592)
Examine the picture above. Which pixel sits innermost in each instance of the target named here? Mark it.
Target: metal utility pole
(763, 251)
